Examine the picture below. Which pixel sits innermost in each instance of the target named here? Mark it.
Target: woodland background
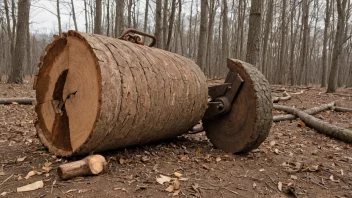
(294, 42)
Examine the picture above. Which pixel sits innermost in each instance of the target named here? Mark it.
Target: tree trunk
(98, 16)
(58, 16)
(146, 15)
(119, 22)
(325, 42)
(171, 23)
(224, 42)
(202, 43)
(268, 21)
(129, 14)
(341, 11)
(293, 44)
(281, 73)
(86, 15)
(165, 25)
(304, 50)
(108, 18)
(135, 107)
(158, 28)
(20, 50)
(74, 15)
(254, 32)
(10, 34)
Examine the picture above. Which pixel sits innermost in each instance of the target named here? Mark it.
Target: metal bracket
(222, 96)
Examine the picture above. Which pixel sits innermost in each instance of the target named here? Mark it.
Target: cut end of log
(68, 95)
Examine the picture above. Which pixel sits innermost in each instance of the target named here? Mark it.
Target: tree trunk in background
(211, 14)
(97, 20)
(119, 22)
(28, 45)
(253, 42)
(58, 16)
(268, 21)
(303, 65)
(158, 30)
(281, 73)
(165, 25)
(171, 23)
(225, 45)
(74, 15)
(129, 13)
(9, 33)
(86, 15)
(341, 11)
(108, 18)
(202, 43)
(293, 44)
(17, 63)
(146, 16)
(325, 42)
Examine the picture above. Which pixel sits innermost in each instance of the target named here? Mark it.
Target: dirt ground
(293, 162)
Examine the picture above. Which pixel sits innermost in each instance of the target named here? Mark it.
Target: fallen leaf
(170, 188)
(279, 186)
(183, 179)
(177, 174)
(254, 185)
(313, 168)
(272, 143)
(176, 193)
(294, 177)
(332, 179)
(145, 158)
(30, 174)
(205, 167)
(301, 124)
(261, 170)
(162, 179)
(122, 161)
(46, 169)
(341, 172)
(218, 159)
(3, 194)
(21, 159)
(2, 173)
(32, 186)
(276, 151)
(176, 184)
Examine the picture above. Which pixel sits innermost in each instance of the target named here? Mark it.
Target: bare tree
(58, 16)
(325, 42)
(341, 11)
(253, 42)
(158, 30)
(17, 63)
(119, 24)
(74, 15)
(98, 16)
(202, 44)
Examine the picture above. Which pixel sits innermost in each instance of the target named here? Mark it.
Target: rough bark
(310, 111)
(98, 17)
(281, 73)
(151, 95)
(165, 22)
(16, 75)
(171, 24)
(319, 125)
(304, 49)
(107, 18)
(254, 32)
(268, 21)
(146, 16)
(91, 165)
(225, 45)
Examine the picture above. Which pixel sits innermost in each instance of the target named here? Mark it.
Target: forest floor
(293, 162)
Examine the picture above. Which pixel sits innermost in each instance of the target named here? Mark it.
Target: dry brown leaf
(2, 173)
(32, 186)
(176, 184)
(122, 161)
(21, 159)
(3, 194)
(313, 168)
(170, 189)
(279, 186)
(177, 174)
(162, 179)
(294, 177)
(272, 143)
(332, 179)
(301, 124)
(176, 193)
(30, 174)
(254, 185)
(218, 159)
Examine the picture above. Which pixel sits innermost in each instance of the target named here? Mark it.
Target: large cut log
(319, 125)
(23, 101)
(96, 93)
(310, 111)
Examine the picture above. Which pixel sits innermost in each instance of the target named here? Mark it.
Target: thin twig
(6, 179)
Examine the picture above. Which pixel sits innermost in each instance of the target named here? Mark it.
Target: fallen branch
(341, 109)
(91, 165)
(23, 101)
(282, 98)
(319, 125)
(310, 111)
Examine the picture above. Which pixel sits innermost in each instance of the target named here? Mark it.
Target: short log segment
(96, 93)
(22, 101)
(91, 165)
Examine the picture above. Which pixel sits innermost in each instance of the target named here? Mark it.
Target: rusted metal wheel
(248, 124)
